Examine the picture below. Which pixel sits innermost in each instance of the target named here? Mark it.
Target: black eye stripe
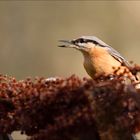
(95, 42)
(82, 40)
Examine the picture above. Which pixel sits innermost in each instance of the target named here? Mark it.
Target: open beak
(68, 44)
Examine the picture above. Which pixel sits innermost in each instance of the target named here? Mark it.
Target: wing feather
(118, 56)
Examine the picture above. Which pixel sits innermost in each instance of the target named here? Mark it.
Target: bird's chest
(100, 62)
(97, 65)
(89, 67)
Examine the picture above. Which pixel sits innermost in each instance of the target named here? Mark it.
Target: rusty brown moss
(70, 108)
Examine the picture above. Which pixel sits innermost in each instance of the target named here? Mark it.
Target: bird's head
(84, 43)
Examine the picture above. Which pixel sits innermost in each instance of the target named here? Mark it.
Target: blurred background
(30, 30)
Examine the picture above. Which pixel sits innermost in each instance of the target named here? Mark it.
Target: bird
(99, 57)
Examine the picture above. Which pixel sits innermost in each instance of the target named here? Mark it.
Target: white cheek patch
(90, 45)
(85, 45)
(81, 44)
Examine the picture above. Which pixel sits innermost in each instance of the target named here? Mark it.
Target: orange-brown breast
(99, 61)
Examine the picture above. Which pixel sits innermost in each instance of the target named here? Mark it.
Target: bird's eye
(81, 40)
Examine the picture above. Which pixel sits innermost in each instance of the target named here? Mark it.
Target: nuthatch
(99, 57)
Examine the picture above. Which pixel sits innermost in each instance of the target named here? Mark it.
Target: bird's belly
(100, 66)
(90, 69)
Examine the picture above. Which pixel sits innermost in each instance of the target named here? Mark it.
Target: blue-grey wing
(117, 56)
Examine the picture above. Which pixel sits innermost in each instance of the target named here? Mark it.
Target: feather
(110, 50)
(117, 56)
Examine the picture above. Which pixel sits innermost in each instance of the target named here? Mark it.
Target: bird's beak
(68, 44)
